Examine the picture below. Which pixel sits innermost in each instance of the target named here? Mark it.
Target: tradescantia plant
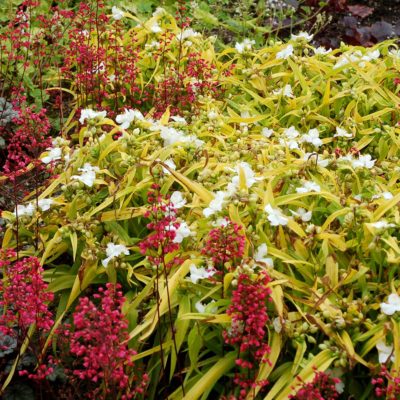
(246, 202)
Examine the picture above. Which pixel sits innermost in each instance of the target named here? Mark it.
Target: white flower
(212, 115)
(277, 325)
(44, 204)
(244, 46)
(261, 252)
(267, 132)
(88, 113)
(111, 77)
(169, 163)
(392, 305)
(309, 186)
(53, 155)
(291, 132)
(125, 119)
(387, 195)
(215, 204)
(382, 225)
(159, 12)
(395, 53)
(341, 63)
(291, 144)
(248, 176)
(156, 28)
(285, 53)
(199, 273)
(275, 216)
(117, 13)
(302, 35)
(371, 55)
(322, 51)
(182, 232)
(342, 133)
(221, 222)
(88, 175)
(99, 68)
(286, 91)
(384, 352)
(312, 137)
(189, 33)
(177, 200)
(364, 161)
(172, 136)
(201, 308)
(22, 210)
(114, 250)
(304, 215)
(179, 120)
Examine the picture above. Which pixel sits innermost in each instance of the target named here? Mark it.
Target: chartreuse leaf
(211, 377)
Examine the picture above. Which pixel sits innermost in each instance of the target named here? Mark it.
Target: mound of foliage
(198, 224)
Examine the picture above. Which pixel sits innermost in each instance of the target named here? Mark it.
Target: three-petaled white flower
(285, 53)
(302, 36)
(125, 119)
(244, 46)
(53, 155)
(392, 305)
(199, 273)
(215, 204)
(177, 200)
(117, 13)
(364, 161)
(275, 216)
(266, 132)
(44, 204)
(22, 210)
(114, 250)
(304, 215)
(312, 137)
(88, 113)
(385, 352)
(340, 132)
(260, 255)
(309, 186)
(182, 232)
(322, 51)
(179, 120)
(88, 175)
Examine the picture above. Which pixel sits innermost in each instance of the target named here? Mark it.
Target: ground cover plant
(184, 222)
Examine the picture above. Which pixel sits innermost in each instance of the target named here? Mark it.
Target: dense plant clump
(185, 222)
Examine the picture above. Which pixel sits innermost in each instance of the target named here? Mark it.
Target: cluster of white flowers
(248, 174)
(171, 136)
(290, 139)
(357, 58)
(88, 174)
(312, 137)
(88, 113)
(363, 161)
(30, 208)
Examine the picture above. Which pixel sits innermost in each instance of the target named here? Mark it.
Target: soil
(361, 22)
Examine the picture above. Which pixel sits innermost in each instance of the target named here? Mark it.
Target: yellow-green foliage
(331, 269)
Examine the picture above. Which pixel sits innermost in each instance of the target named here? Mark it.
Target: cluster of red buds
(387, 384)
